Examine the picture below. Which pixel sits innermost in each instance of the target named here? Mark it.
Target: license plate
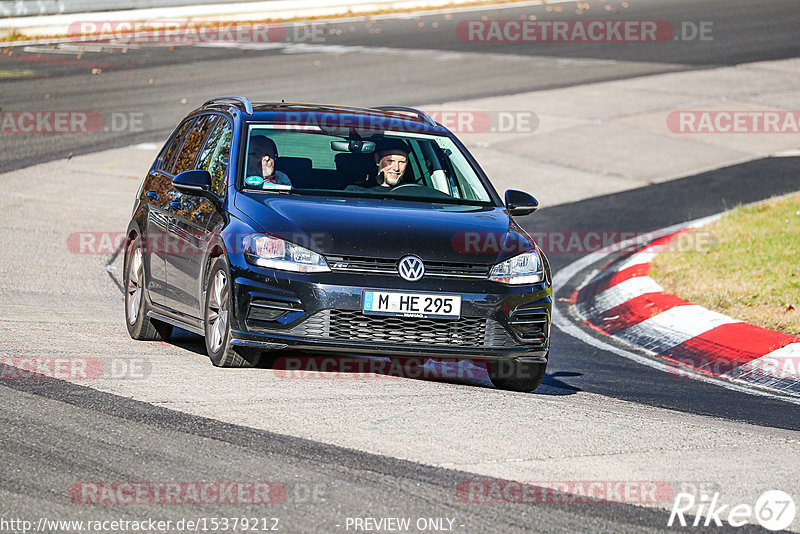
(422, 305)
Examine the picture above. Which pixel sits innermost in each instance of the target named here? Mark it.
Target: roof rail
(403, 109)
(248, 106)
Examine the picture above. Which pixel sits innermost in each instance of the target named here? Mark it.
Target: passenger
(261, 158)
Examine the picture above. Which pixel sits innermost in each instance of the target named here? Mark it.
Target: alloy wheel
(218, 311)
(134, 289)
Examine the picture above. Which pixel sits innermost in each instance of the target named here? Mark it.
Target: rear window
(194, 140)
(172, 146)
(216, 154)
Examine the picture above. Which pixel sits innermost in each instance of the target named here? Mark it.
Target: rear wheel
(139, 325)
(516, 376)
(218, 305)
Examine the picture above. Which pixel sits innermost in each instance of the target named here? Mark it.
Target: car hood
(390, 229)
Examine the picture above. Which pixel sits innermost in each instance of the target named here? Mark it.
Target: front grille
(434, 269)
(354, 326)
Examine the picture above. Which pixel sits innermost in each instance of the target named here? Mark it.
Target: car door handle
(176, 205)
(152, 194)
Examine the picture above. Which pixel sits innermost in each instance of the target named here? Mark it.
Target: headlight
(523, 269)
(275, 253)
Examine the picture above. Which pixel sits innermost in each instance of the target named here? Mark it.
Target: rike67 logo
(773, 510)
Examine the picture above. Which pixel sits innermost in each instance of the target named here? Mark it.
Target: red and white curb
(683, 339)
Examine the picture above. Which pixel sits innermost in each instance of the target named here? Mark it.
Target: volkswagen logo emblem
(411, 268)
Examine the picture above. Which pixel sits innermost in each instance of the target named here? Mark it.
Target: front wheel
(516, 376)
(218, 305)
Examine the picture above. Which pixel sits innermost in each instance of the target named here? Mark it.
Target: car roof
(383, 117)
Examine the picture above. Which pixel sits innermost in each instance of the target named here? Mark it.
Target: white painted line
(788, 153)
(619, 294)
(233, 10)
(673, 327)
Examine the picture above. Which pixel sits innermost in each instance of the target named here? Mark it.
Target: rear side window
(194, 140)
(215, 155)
(168, 154)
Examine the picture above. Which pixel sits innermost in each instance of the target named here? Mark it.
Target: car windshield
(399, 165)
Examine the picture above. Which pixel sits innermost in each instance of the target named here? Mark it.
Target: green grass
(750, 272)
(24, 73)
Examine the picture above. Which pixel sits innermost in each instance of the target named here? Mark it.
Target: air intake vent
(270, 310)
(531, 328)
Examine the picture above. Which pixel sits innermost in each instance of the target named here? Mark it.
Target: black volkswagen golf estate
(347, 230)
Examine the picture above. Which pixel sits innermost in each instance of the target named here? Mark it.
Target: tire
(516, 376)
(216, 315)
(140, 326)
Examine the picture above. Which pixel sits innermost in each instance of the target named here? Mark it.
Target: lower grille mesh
(352, 325)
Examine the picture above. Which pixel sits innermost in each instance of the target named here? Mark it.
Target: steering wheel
(427, 192)
(401, 186)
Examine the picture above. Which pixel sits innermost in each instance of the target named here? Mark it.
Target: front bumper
(322, 312)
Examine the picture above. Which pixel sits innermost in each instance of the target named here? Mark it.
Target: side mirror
(520, 203)
(197, 182)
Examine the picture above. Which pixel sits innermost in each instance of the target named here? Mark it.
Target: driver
(391, 158)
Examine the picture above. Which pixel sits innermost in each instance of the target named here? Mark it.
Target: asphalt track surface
(93, 435)
(130, 440)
